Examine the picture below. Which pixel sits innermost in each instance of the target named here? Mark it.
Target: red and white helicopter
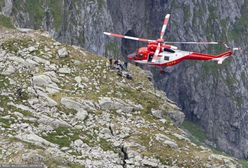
(160, 53)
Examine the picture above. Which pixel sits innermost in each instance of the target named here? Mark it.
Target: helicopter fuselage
(170, 57)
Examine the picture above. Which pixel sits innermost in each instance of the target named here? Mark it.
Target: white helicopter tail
(224, 56)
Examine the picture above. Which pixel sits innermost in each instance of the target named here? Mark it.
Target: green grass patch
(6, 22)
(244, 163)
(62, 136)
(14, 45)
(198, 135)
(105, 145)
(5, 122)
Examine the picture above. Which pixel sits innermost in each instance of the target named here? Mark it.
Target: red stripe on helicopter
(117, 35)
(166, 21)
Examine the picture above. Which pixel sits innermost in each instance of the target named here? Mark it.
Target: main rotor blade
(155, 57)
(166, 20)
(128, 37)
(192, 42)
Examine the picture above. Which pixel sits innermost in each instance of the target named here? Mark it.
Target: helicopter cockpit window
(166, 58)
(169, 50)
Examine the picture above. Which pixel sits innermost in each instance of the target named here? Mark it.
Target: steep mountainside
(213, 95)
(63, 106)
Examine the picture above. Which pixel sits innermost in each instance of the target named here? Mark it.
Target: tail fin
(220, 58)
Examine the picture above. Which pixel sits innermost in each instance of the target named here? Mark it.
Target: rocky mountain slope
(213, 96)
(63, 106)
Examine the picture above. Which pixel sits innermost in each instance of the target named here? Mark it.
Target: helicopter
(161, 53)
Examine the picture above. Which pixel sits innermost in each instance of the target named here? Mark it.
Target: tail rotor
(233, 49)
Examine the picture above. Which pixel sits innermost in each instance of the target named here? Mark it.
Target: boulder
(150, 163)
(78, 79)
(177, 117)
(78, 143)
(32, 157)
(157, 113)
(24, 30)
(81, 114)
(40, 60)
(108, 103)
(63, 53)
(41, 80)
(79, 107)
(64, 70)
(166, 140)
(171, 144)
(34, 139)
(32, 49)
(9, 70)
(55, 123)
(70, 103)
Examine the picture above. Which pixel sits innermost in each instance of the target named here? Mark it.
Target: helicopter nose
(130, 57)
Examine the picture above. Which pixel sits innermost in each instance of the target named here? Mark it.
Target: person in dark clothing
(125, 65)
(111, 63)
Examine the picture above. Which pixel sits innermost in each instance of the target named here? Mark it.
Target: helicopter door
(150, 57)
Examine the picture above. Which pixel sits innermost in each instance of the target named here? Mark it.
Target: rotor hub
(160, 40)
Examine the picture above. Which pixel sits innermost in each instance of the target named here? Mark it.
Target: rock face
(47, 117)
(212, 95)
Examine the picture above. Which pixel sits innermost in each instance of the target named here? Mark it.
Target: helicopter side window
(169, 50)
(141, 55)
(150, 57)
(166, 58)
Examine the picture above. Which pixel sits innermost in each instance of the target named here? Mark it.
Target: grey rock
(177, 117)
(32, 156)
(63, 52)
(166, 140)
(78, 79)
(34, 139)
(40, 60)
(81, 114)
(32, 49)
(64, 70)
(115, 104)
(41, 80)
(181, 137)
(171, 144)
(9, 70)
(55, 123)
(78, 143)
(149, 163)
(25, 30)
(71, 104)
(159, 114)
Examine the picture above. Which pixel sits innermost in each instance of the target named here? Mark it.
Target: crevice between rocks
(124, 156)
